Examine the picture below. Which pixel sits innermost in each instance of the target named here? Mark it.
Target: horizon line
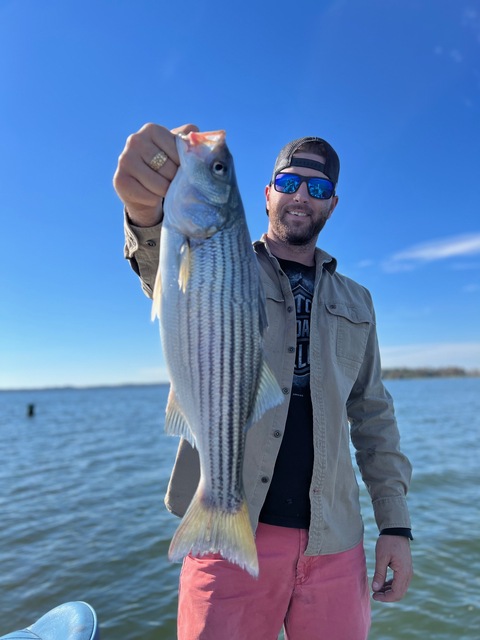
(474, 372)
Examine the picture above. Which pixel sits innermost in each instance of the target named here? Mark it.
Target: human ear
(267, 197)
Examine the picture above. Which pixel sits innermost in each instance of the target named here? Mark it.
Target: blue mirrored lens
(319, 188)
(287, 182)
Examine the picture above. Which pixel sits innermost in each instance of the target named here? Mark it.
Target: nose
(302, 195)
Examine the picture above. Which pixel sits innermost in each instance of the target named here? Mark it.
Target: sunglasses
(319, 188)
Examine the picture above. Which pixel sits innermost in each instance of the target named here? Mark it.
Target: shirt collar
(321, 257)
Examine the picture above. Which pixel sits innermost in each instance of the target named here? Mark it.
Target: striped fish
(211, 307)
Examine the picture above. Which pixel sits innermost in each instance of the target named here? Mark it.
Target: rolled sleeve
(391, 513)
(142, 250)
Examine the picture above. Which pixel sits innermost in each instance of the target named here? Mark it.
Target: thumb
(380, 575)
(185, 128)
(378, 579)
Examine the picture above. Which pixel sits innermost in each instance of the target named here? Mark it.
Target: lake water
(82, 514)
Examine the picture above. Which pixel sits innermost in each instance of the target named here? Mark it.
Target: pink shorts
(312, 597)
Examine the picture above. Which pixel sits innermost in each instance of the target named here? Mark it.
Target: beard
(298, 235)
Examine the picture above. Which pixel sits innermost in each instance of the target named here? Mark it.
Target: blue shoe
(70, 621)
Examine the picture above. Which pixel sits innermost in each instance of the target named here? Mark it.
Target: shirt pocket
(274, 336)
(351, 329)
(274, 301)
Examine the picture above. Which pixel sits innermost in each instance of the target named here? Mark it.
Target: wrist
(148, 218)
(397, 531)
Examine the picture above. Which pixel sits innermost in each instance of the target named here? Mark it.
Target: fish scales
(212, 314)
(223, 334)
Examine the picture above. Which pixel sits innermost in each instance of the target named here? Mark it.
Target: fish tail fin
(206, 529)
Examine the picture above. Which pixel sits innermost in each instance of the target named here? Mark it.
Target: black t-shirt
(287, 503)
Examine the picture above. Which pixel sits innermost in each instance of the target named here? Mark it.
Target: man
(300, 484)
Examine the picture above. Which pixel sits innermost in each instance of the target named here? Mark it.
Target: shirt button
(291, 349)
(151, 243)
(265, 479)
(277, 433)
(289, 309)
(285, 390)
(333, 306)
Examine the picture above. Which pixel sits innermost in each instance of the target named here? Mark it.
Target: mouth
(298, 213)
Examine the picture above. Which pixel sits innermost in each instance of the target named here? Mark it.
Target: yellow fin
(185, 266)
(207, 529)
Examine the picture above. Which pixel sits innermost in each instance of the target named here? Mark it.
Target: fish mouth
(209, 139)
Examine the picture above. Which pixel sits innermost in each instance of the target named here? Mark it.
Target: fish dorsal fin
(185, 266)
(269, 395)
(176, 423)
(157, 296)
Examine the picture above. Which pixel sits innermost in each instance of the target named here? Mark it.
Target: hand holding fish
(146, 167)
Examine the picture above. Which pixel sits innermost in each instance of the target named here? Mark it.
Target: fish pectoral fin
(176, 423)
(269, 395)
(185, 266)
(157, 296)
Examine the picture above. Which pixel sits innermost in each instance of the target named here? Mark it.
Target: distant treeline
(426, 372)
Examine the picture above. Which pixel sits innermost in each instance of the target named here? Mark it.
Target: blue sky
(393, 85)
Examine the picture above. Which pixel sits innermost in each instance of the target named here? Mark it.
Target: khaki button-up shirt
(349, 401)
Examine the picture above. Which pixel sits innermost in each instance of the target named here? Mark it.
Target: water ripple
(83, 515)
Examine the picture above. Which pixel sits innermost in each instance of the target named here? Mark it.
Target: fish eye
(219, 168)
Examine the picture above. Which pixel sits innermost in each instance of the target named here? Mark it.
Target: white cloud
(453, 247)
(364, 264)
(466, 266)
(169, 65)
(458, 354)
(471, 288)
(456, 56)
(471, 21)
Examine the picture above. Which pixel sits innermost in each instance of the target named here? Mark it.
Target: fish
(211, 308)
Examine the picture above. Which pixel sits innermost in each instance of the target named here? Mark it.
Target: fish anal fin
(176, 423)
(269, 394)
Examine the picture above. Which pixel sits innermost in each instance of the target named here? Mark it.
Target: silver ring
(158, 160)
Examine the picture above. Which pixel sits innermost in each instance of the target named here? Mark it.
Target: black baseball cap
(331, 167)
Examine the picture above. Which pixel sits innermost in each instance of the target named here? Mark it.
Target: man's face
(297, 218)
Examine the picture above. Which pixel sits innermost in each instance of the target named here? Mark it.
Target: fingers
(153, 138)
(379, 577)
(386, 593)
(185, 129)
(392, 552)
(139, 186)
